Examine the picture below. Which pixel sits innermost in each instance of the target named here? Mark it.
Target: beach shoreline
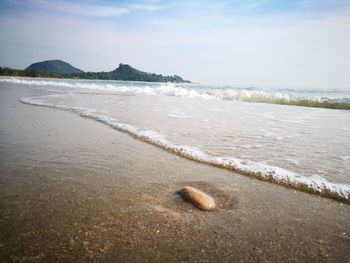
(75, 190)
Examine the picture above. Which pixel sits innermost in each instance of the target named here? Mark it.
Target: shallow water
(75, 190)
(306, 148)
(320, 98)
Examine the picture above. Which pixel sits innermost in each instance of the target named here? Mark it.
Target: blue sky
(303, 43)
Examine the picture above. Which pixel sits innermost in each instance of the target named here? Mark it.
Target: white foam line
(179, 116)
(313, 184)
(171, 89)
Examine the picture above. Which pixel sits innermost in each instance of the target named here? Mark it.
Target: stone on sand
(198, 198)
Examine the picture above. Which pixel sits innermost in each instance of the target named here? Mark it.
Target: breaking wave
(313, 184)
(188, 91)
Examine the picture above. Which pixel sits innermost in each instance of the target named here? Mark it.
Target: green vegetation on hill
(61, 69)
(126, 72)
(54, 66)
(4, 71)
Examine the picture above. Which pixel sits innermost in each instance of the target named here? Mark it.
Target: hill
(61, 69)
(54, 67)
(126, 72)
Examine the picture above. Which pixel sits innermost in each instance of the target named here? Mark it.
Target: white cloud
(290, 50)
(91, 10)
(147, 7)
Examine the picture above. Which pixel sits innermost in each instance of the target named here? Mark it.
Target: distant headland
(61, 69)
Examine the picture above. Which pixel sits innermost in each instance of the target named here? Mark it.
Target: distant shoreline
(24, 77)
(70, 78)
(62, 69)
(65, 78)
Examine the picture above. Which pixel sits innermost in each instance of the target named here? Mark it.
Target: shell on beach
(198, 198)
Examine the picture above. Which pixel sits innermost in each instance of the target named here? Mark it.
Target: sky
(260, 43)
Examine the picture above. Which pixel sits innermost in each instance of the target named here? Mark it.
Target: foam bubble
(345, 158)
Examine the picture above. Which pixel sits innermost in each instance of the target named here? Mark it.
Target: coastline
(336, 191)
(52, 78)
(62, 69)
(116, 201)
(23, 77)
(260, 96)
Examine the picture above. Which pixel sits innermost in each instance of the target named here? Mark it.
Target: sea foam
(171, 89)
(314, 184)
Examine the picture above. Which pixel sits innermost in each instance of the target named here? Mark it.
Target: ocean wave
(171, 89)
(74, 85)
(314, 184)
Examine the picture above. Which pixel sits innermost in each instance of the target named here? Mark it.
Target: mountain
(126, 72)
(54, 67)
(61, 69)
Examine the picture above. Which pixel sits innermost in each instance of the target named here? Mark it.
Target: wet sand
(73, 190)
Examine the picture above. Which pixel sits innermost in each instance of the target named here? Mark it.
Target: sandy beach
(74, 190)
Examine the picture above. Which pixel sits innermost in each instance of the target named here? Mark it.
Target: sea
(297, 138)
